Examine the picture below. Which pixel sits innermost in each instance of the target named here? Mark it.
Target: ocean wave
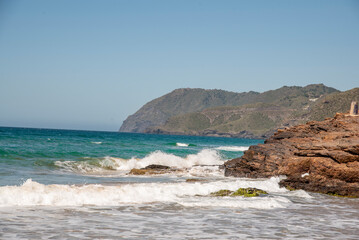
(182, 144)
(96, 142)
(204, 157)
(300, 194)
(32, 193)
(256, 203)
(179, 144)
(233, 148)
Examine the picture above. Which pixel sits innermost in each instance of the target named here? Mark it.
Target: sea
(65, 184)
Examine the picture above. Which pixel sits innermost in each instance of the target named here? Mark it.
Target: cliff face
(320, 156)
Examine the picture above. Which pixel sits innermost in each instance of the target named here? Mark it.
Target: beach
(58, 184)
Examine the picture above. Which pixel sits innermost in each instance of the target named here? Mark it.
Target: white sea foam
(204, 157)
(258, 203)
(300, 193)
(90, 166)
(96, 142)
(233, 148)
(182, 144)
(204, 171)
(188, 194)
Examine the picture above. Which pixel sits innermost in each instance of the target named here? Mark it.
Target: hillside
(333, 103)
(222, 113)
(179, 101)
(251, 120)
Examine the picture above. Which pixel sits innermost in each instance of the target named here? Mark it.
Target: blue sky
(89, 64)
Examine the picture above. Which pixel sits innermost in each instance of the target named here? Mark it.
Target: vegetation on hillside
(199, 111)
(284, 107)
(260, 120)
(180, 101)
(333, 103)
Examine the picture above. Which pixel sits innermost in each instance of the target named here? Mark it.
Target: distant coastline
(218, 113)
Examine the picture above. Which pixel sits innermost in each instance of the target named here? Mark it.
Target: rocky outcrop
(319, 156)
(152, 169)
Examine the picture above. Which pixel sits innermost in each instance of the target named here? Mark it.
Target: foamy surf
(256, 203)
(233, 148)
(204, 157)
(187, 194)
(182, 144)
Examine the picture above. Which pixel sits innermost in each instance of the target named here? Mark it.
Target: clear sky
(89, 64)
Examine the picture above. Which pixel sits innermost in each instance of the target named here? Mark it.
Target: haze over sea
(61, 184)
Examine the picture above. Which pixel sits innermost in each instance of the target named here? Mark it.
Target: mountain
(179, 101)
(223, 113)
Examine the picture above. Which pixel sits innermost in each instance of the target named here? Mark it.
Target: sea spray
(32, 193)
(182, 144)
(233, 148)
(204, 157)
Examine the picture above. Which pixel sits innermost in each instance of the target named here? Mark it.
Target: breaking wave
(179, 144)
(204, 157)
(32, 193)
(182, 144)
(233, 148)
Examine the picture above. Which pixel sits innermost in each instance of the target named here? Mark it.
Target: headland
(319, 156)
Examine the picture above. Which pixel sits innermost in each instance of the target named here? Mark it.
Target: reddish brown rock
(328, 151)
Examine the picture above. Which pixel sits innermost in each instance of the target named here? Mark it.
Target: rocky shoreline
(211, 133)
(319, 156)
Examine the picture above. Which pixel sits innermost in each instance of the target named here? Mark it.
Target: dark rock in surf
(152, 170)
(156, 166)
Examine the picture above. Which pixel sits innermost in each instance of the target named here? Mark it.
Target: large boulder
(319, 156)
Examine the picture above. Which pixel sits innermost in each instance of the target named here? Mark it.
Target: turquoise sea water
(55, 156)
(59, 184)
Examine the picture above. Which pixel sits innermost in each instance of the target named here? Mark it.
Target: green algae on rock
(289, 188)
(194, 180)
(222, 193)
(245, 192)
(248, 192)
(338, 195)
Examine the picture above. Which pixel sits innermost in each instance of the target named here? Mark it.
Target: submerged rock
(222, 193)
(320, 156)
(194, 180)
(245, 192)
(136, 171)
(157, 167)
